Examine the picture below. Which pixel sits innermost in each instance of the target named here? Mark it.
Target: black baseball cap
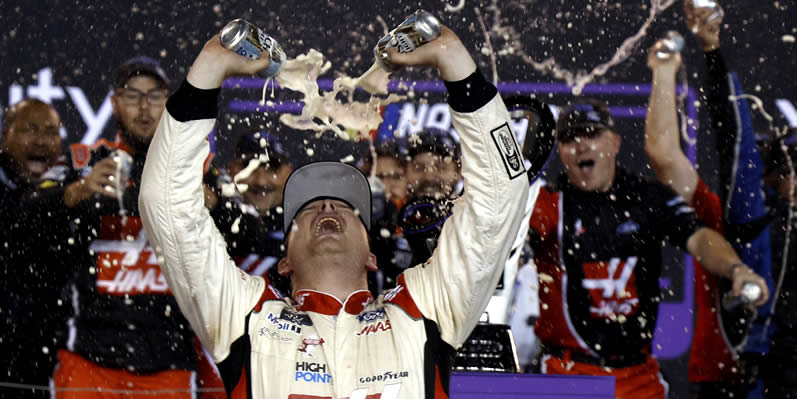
(586, 118)
(434, 140)
(394, 147)
(140, 65)
(321, 180)
(253, 145)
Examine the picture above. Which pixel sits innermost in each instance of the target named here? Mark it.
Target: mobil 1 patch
(507, 146)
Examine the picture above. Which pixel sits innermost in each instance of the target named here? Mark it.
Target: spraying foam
(324, 111)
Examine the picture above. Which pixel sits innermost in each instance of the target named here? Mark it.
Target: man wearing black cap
(331, 338)
(126, 333)
(249, 214)
(597, 245)
(434, 167)
(432, 173)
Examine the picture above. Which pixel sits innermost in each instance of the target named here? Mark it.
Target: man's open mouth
(585, 164)
(36, 164)
(260, 190)
(145, 122)
(328, 225)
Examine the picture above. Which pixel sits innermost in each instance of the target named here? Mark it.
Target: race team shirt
(598, 256)
(124, 315)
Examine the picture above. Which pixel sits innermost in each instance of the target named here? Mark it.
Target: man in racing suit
(332, 338)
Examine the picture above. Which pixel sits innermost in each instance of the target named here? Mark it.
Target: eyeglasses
(390, 176)
(155, 97)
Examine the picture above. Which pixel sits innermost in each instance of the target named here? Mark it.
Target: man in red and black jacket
(597, 243)
(126, 334)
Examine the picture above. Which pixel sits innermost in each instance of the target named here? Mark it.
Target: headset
(540, 142)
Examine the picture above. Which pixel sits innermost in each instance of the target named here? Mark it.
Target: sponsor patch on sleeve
(507, 146)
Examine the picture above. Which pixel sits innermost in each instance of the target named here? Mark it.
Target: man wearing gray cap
(331, 338)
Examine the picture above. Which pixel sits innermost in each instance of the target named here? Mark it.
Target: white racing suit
(399, 345)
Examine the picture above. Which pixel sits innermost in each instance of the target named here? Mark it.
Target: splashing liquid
(550, 66)
(324, 111)
(759, 106)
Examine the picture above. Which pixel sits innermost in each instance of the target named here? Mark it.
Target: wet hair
(248, 147)
(436, 141)
(393, 149)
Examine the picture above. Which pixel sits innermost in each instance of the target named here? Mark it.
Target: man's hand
(743, 274)
(215, 63)
(708, 32)
(665, 66)
(211, 199)
(446, 53)
(98, 181)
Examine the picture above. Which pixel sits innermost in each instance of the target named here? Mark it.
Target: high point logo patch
(507, 146)
(312, 372)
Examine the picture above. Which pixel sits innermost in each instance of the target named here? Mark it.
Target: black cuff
(471, 93)
(189, 103)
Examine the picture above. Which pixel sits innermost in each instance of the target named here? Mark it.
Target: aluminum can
(672, 43)
(418, 29)
(248, 40)
(124, 164)
(750, 293)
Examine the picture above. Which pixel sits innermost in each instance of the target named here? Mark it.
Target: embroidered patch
(504, 139)
(296, 318)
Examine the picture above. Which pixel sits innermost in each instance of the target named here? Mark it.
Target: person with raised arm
(719, 364)
(332, 338)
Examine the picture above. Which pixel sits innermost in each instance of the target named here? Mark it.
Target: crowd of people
(139, 265)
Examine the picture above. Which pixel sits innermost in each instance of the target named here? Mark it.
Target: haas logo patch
(505, 142)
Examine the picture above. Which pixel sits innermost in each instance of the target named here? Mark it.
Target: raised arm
(212, 292)
(662, 138)
(454, 286)
(741, 168)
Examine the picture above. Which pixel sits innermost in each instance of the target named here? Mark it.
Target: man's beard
(138, 144)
